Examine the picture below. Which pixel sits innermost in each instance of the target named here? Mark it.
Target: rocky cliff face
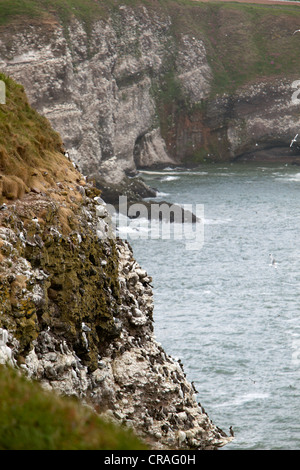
(76, 309)
(96, 89)
(140, 87)
(256, 123)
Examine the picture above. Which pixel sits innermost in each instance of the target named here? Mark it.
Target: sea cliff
(130, 85)
(127, 85)
(76, 309)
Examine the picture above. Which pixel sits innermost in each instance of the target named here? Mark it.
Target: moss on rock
(56, 271)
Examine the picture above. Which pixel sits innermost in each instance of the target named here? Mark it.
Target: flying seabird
(297, 31)
(294, 140)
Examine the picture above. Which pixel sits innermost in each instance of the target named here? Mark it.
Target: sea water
(229, 314)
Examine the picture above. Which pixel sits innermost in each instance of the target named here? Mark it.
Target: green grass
(32, 419)
(10, 10)
(246, 43)
(20, 123)
(85, 10)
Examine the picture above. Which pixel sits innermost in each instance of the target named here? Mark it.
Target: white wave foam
(285, 177)
(168, 168)
(135, 227)
(170, 178)
(150, 172)
(174, 173)
(196, 173)
(154, 229)
(296, 177)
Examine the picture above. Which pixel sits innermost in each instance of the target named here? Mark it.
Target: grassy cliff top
(89, 10)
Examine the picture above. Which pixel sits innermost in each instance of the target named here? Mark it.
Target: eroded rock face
(257, 122)
(115, 94)
(77, 315)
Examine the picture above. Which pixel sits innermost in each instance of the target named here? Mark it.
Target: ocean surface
(223, 308)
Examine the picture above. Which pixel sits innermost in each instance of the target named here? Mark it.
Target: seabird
(297, 31)
(273, 262)
(4, 206)
(85, 327)
(294, 140)
(86, 343)
(22, 238)
(231, 431)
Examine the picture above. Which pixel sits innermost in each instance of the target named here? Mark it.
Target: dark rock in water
(163, 210)
(135, 189)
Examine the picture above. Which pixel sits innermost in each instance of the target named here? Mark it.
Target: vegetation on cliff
(76, 316)
(31, 152)
(33, 419)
